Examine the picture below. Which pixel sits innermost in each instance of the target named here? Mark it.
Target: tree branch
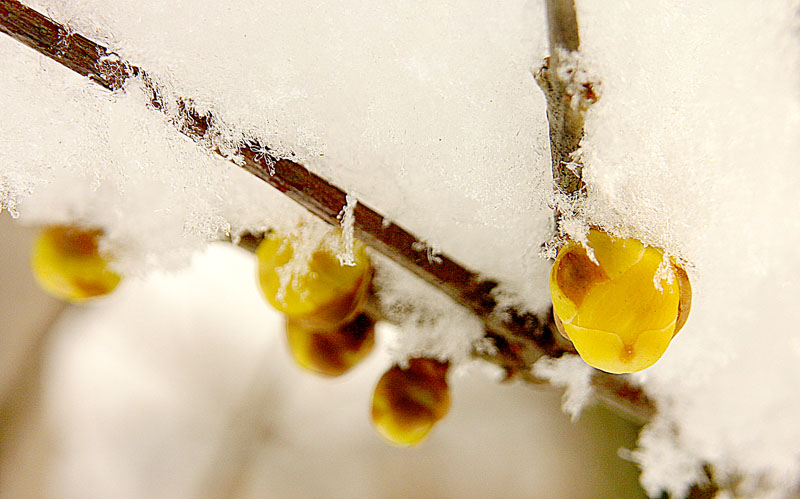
(521, 338)
(567, 99)
(562, 23)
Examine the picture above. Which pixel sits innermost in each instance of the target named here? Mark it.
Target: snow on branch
(520, 338)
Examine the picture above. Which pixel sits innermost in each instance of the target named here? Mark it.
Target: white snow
(695, 147)
(571, 373)
(412, 104)
(428, 322)
(347, 221)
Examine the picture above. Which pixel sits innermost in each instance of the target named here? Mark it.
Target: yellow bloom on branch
(622, 305)
(316, 290)
(67, 263)
(408, 402)
(334, 351)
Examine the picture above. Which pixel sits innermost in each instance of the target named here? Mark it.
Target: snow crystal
(670, 467)
(572, 373)
(428, 322)
(347, 219)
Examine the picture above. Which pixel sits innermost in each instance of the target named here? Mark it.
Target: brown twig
(565, 105)
(521, 337)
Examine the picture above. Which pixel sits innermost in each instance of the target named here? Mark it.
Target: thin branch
(566, 100)
(521, 337)
(562, 23)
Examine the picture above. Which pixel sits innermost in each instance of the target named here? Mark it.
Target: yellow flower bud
(67, 264)
(621, 310)
(319, 292)
(408, 402)
(331, 352)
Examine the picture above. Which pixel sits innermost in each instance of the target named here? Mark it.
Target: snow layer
(694, 146)
(427, 111)
(73, 152)
(429, 322)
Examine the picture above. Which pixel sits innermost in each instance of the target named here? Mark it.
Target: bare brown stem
(565, 106)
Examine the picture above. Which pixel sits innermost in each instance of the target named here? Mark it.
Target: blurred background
(180, 385)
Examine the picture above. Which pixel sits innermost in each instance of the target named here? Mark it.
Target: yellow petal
(615, 255)
(321, 289)
(67, 264)
(408, 402)
(617, 316)
(631, 303)
(606, 351)
(331, 352)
